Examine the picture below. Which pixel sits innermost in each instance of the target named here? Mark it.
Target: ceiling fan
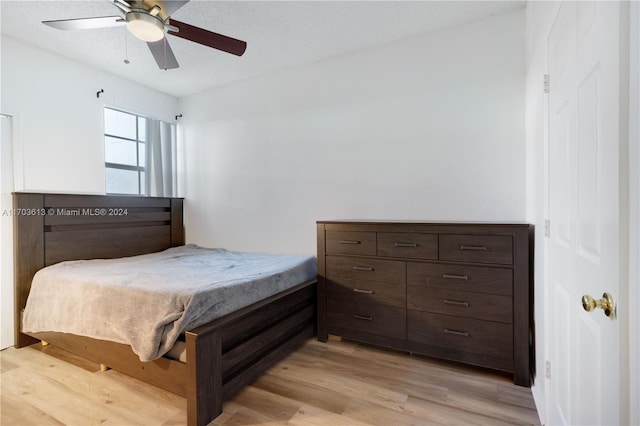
(149, 21)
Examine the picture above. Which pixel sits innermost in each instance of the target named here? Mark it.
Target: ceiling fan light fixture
(144, 26)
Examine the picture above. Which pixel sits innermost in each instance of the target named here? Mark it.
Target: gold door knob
(606, 303)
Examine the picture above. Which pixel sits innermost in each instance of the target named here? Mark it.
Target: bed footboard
(227, 354)
(223, 356)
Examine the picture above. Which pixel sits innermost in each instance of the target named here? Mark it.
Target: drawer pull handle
(363, 268)
(350, 242)
(362, 317)
(455, 277)
(455, 303)
(473, 248)
(456, 333)
(359, 290)
(406, 245)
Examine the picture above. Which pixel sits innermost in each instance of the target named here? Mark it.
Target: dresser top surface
(420, 222)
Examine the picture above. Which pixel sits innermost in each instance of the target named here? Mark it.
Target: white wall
(57, 139)
(430, 128)
(58, 117)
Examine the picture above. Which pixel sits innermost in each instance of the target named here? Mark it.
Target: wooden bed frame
(222, 356)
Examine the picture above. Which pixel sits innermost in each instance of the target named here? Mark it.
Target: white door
(6, 233)
(584, 213)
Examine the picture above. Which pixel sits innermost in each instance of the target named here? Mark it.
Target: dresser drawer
(351, 242)
(408, 245)
(368, 318)
(372, 291)
(461, 303)
(478, 279)
(354, 268)
(476, 248)
(488, 338)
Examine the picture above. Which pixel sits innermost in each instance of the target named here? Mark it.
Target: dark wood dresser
(456, 291)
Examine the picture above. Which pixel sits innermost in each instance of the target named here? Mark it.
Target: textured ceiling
(279, 34)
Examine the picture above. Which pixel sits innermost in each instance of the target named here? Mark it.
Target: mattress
(147, 301)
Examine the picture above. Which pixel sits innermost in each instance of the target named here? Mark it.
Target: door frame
(634, 213)
(18, 184)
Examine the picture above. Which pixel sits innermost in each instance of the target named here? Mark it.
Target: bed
(221, 356)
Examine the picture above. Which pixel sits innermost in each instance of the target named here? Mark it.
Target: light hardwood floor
(337, 383)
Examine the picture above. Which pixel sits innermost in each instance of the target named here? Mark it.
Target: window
(124, 149)
(137, 147)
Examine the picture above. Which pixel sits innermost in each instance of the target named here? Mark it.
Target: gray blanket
(148, 301)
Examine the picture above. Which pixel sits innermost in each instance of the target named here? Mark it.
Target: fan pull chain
(126, 49)
(164, 44)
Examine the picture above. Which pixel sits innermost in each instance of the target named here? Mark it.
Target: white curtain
(160, 168)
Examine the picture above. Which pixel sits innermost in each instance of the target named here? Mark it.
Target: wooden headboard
(51, 228)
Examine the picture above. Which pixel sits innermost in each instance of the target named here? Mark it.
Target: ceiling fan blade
(163, 54)
(208, 38)
(86, 23)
